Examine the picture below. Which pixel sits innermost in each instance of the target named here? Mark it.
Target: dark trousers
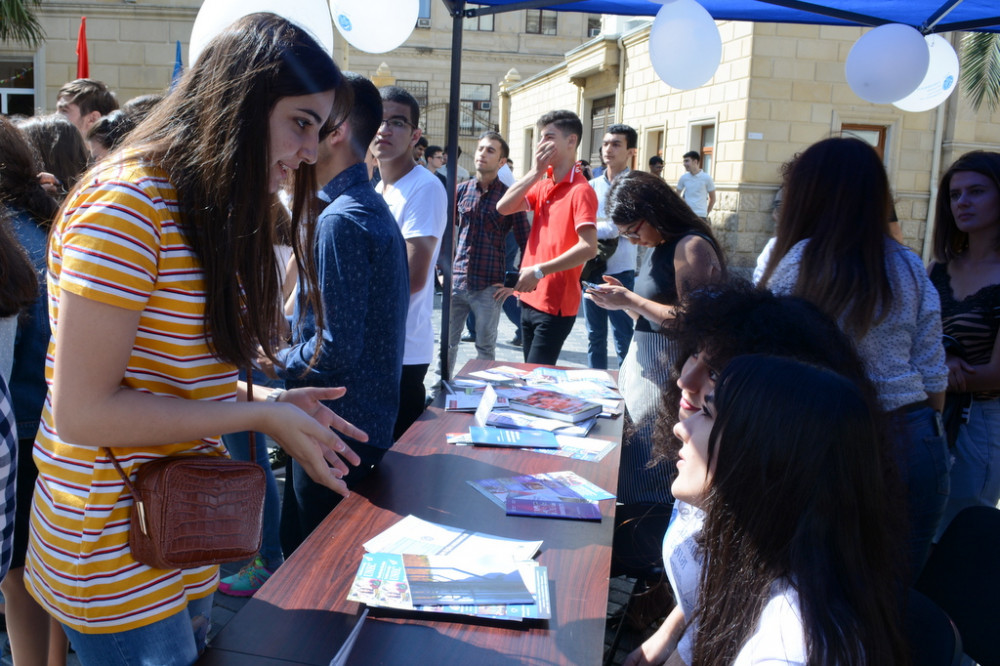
(412, 398)
(543, 335)
(307, 503)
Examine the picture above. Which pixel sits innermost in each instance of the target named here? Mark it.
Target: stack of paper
(422, 566)
(552, 495)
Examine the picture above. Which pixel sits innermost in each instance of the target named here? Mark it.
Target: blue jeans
(238, 445)
(922, 456)
(597, 319)
(176, 640)
(975, 471)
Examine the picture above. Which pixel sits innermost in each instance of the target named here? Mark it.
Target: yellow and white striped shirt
(118, 243)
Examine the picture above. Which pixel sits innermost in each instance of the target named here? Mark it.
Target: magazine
(510, 438)
(526, 504)
(421, 537)
(559, 486)
(552, 405)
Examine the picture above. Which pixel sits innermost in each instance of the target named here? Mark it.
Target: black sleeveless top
(973, 321)
(657, 281)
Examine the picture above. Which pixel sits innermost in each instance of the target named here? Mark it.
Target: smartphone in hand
(591, 286)
(510, 279)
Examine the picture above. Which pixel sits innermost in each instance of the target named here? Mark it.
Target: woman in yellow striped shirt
(161, 283)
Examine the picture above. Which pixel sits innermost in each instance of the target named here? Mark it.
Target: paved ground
(574, 354)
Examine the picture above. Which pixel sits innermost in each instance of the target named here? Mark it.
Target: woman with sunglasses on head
(966, 273)
(164, 282)
(834, 248)
(783, 459)
(683, 256)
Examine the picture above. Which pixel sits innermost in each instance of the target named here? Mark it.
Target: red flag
(82, 61)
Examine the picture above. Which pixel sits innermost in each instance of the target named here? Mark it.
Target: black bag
(596, 267)
(956, 405)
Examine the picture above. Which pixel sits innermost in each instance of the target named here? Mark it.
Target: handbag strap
(253, 435)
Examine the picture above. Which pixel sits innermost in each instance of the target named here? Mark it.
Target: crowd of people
(792, 448)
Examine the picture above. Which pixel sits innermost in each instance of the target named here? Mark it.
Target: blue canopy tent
(927, 16)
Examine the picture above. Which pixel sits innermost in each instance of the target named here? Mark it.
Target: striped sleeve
(8, 477)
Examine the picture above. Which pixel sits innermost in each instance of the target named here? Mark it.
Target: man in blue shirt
(361, 260)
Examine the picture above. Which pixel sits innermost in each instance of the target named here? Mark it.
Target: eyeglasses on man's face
(632, 231)
(396, 124)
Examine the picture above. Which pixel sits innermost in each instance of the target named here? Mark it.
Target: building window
(593, 26)
(419, 91)
(706, 145)
(540, 21)
(474, 108)
(873, 135)
(425, 9)
(602, 114)
(17, 87)
(480, 23)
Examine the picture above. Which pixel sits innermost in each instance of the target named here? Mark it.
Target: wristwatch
(274, 395)
(538, 272)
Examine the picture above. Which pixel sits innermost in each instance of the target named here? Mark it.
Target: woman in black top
(966, 273)
(683, 256)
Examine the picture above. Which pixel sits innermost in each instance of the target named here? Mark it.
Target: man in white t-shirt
(419, 203)
(617, 151)
(696, 186)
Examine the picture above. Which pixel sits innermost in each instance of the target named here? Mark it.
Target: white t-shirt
(419, 204)
(780, 636)
(695, 191)
(682, 560)
(505, 175)
(624, 257)
(762, 259)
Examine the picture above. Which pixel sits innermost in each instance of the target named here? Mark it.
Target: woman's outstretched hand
(304, 427)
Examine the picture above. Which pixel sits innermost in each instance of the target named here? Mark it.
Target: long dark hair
(638, 195)
(19, 186)
(210, 135)
(949, 241)
(797, 496)
(18, 281)
(837, 196)
(62, 150)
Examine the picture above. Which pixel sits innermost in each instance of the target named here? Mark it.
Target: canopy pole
(447, 255)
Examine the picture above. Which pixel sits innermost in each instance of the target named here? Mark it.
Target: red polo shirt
(560, 209)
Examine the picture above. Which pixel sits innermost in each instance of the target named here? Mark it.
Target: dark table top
(301, 614)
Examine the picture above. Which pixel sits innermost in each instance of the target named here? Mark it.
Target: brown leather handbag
(193, 511)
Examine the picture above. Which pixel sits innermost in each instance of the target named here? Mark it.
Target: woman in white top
(783, 459)
(834, 249)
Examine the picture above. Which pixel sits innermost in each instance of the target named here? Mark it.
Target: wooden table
(301, 615)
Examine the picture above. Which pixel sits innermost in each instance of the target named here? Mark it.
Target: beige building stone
(132, 48)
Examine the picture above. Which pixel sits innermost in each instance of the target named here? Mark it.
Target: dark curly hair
(733, 319)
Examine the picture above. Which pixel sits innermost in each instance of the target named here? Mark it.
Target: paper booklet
(590, 449)
(414, 536)
(552, 405)
(564, 486)
(510, 438)
(488, 588)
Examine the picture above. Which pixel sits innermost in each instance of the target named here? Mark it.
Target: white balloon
(685, 47)
(313, 16)
(887, 63)
(939, 82)
(375, 26)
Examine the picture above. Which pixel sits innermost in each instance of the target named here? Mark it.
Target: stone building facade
(132, 47)
(778, 89)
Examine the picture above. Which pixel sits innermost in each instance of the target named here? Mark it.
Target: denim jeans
(308, 503)
(922, 456)
(975, 470)
(238, 445)
(487, 312)
(173, 641)
(597, 319)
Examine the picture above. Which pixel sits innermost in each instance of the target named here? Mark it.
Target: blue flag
(178, 67)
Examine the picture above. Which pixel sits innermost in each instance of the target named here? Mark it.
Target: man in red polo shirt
(563, 236)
